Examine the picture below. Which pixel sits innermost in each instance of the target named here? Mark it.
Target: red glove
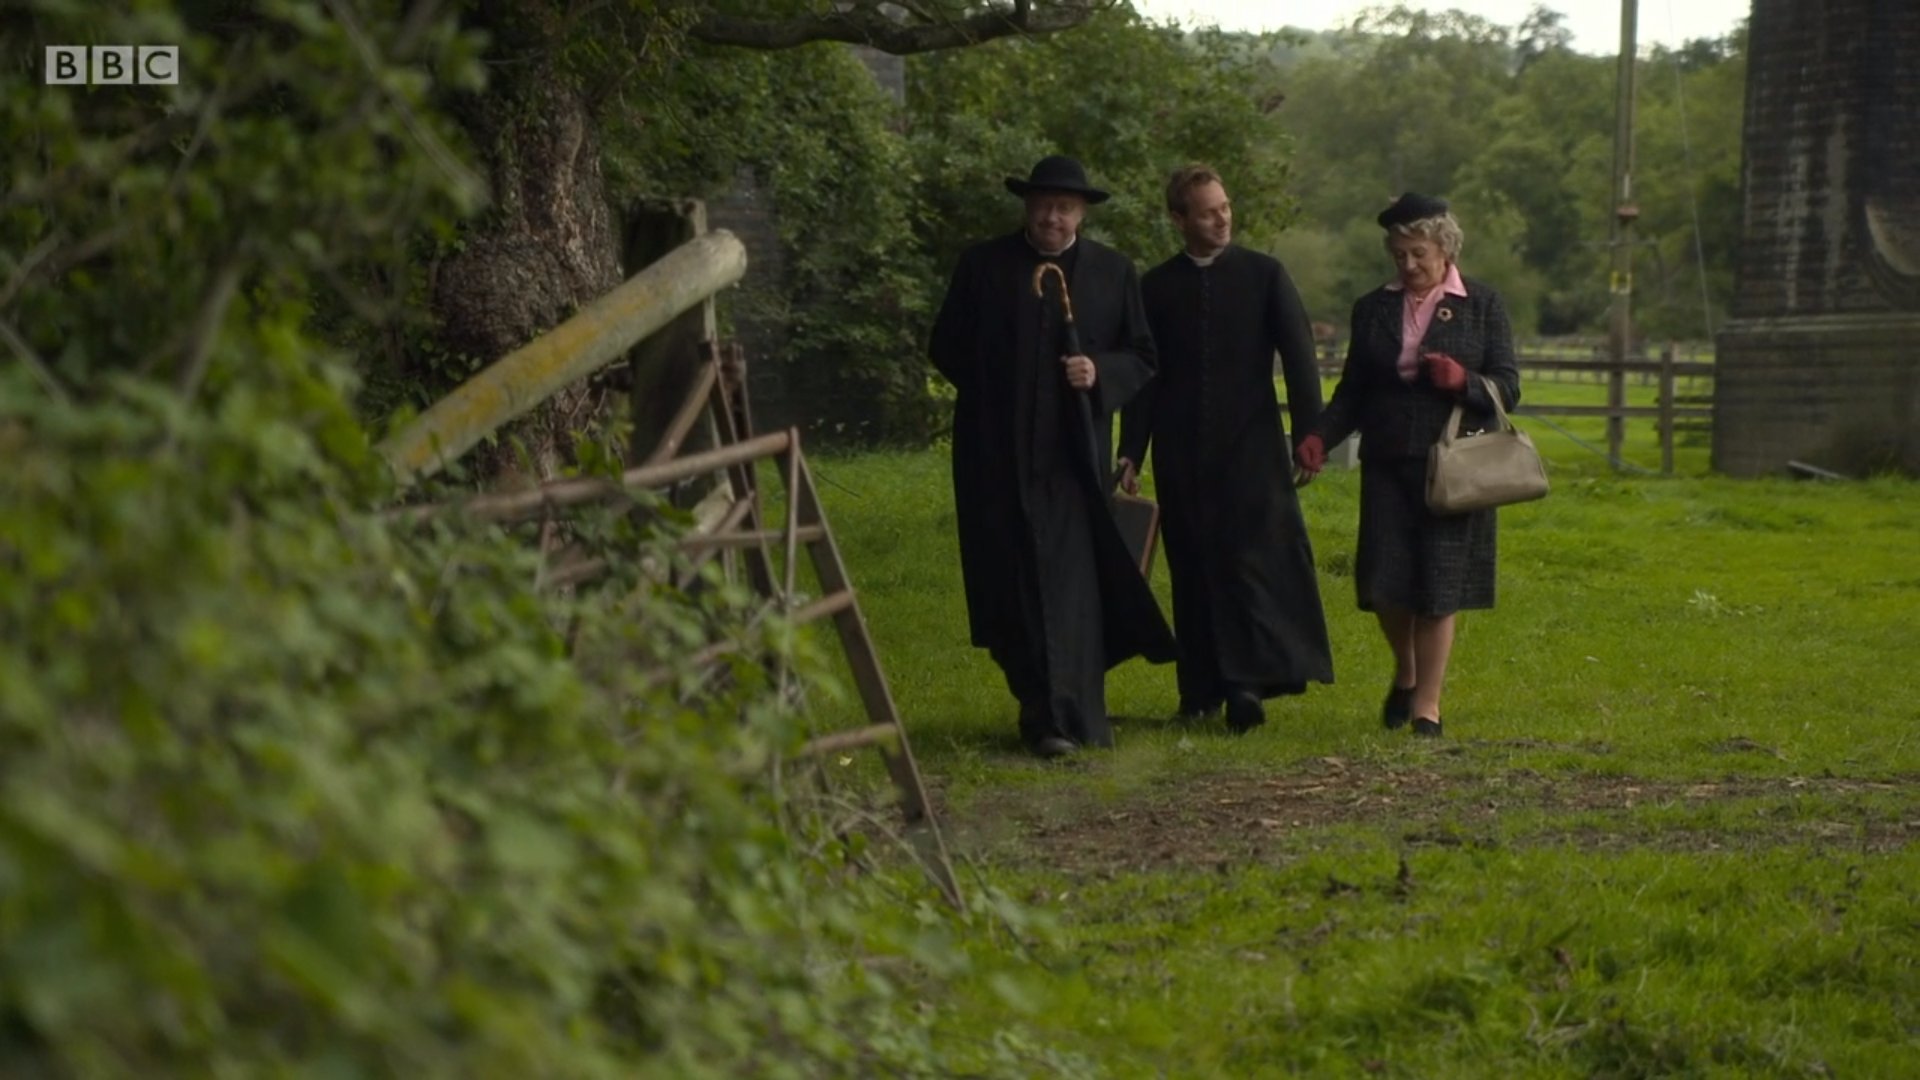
(1445, 371)
(1311, 455)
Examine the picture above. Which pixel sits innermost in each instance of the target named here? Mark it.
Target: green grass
(1491, 962)
(1671, 830)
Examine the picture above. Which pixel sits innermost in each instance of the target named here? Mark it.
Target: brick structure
(1821, 359)
(755, 311)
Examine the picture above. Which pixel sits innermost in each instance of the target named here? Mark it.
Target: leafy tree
(1542, 33)
(591, 105)
(1403, 105)
(1132, 100)
(1518, 130)
(1689, 164)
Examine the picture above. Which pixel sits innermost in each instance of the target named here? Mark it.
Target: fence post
(1666, 409)
(666, 364)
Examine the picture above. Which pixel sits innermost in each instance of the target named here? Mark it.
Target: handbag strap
(1459, 410)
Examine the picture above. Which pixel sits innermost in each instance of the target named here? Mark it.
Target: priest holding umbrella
(1043, 338)
(1246, 603)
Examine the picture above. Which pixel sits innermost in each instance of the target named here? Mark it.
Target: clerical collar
(1204, 261)
(1049, 254)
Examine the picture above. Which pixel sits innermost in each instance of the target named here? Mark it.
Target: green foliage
(1401, 103)
(1518, 130)
(279, 152)
(1131, 99)
(287, 787)
(821, 140)
(290, 787)
(855, 301)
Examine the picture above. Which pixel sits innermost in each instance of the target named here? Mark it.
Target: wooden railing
(1673, 411)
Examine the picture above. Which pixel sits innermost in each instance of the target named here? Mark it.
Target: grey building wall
(752, 313)
(889, 71)
(1820, 361)
(754, 310)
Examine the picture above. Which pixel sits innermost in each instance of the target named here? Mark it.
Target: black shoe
(1398, 708)
(1052, 746)
(1244, 713)
(1424, 726)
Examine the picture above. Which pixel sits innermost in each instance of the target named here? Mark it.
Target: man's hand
(1081, 374)
(1445, 371)
(1311, 457)
(1129, 477)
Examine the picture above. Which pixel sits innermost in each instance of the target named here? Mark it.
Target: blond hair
(1442, 229)
(1185, 179)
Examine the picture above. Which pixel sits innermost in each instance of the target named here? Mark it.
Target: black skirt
(1411, 559)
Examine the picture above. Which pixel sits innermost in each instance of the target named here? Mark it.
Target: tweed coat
(1398, 419)
(1410, 559)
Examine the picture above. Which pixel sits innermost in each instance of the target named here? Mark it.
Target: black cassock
(1246, 602)
(1051, 590)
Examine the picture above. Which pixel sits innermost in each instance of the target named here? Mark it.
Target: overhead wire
(1693, 196)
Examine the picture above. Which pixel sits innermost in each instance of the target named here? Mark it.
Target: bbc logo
(111, 65)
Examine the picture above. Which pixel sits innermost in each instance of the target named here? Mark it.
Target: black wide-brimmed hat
(1057, 173)
(1411, 207)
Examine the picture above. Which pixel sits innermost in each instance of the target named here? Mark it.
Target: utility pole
(1620, 284)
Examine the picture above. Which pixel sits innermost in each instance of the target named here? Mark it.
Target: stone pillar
(1820, 361)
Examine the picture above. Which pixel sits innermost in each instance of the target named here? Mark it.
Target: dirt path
(1230, 818)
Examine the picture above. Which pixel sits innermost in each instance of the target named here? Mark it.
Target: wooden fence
(1682, 376)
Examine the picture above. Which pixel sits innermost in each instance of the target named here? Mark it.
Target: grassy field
(1671, 830)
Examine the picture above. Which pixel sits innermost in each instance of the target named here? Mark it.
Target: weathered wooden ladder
(664, 317)
(721, 390)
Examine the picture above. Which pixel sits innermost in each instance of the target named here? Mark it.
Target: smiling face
(1419, 259)
(1053, 218)
(1207, 224)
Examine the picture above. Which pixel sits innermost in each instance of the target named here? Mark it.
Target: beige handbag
(1484, 469)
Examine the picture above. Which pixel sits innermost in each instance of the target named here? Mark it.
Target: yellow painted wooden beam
(599, 334)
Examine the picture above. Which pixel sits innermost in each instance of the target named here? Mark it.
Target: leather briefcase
(1139, 521)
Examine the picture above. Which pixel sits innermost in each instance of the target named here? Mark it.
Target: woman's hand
(1129, 477)
(1445, 371)
(1311, 455)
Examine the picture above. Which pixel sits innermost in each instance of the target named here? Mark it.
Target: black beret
(1411, 207)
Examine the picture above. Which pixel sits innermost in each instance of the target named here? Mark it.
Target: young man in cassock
(1052, 591)
(1246, 603)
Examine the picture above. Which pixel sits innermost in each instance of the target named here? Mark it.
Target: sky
(1595, 24)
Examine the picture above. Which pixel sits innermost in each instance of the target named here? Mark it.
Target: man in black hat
(1052, 592)
(1246, 601)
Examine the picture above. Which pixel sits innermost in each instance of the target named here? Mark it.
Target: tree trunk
(547, 246)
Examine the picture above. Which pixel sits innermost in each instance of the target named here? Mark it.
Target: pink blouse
(1416, 314)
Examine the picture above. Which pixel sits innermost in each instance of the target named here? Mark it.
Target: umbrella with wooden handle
(1082, 399)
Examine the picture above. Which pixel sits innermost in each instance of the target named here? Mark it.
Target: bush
(287, 787)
